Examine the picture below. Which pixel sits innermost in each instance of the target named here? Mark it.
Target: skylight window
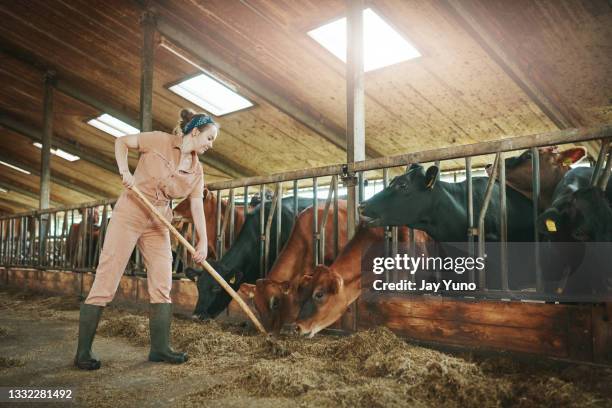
(211, 95)
(15, 167)
(59, 152)
(112, 125)
(382, 45)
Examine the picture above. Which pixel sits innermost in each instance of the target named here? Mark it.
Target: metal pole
(218, 231)
(503, 209)
(336, 218)
(315, 222)
(481, 221)
(387, 234)
(470, 212)
(245, 201)
(605, 175)
(279, 215)
(535, 164)
(232, 220)
(262, 231)
(355, 99)
(147, 57)
(600, 161)
(295, 198)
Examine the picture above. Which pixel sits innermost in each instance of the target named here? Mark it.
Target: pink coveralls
(132, 223)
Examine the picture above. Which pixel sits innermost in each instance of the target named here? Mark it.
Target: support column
(146, 71)
(355, 121)
(45, 170)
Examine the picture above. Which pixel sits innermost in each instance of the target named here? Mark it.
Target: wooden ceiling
(490, 69)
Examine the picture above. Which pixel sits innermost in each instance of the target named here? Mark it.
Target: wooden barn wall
(573, 332)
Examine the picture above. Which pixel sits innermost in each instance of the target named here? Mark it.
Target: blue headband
(197, 122)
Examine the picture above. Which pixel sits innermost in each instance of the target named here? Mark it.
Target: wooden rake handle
(205, 264)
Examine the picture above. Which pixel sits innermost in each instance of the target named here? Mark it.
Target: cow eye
(319, 295)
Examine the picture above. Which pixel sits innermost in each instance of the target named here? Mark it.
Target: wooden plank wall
(569, 331)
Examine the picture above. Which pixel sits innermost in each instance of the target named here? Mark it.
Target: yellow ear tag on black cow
(551, 226)
(233, 280)
(568, 161)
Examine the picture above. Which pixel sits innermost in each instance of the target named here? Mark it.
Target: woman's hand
(127, 179)
(201, 252)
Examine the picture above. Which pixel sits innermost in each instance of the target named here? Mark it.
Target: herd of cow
(308, 299)
(574, 209)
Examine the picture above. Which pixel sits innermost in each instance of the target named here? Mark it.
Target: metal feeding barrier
(70, 238)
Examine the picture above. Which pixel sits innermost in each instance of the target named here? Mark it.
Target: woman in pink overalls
(168, 168)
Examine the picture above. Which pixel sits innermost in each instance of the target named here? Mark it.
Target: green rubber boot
(88, 323)
(159, 325)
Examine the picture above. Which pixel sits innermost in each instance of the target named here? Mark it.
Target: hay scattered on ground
(231, 362)
(3, 332)
(8, 362)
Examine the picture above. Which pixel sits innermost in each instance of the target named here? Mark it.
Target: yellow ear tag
(551, 226)
(233, 280)
(567, 162)
(251, 295)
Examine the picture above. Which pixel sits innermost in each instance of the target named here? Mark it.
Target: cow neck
(294, 258)
(348, 263)
(448, 216)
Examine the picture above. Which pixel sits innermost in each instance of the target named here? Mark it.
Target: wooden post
(146, 71)
(45, 170)
(355, 120)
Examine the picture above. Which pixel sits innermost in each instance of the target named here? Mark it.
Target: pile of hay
(233, 365)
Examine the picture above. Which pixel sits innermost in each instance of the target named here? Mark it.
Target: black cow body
(577, 231)
(418, 201)
(240, 264)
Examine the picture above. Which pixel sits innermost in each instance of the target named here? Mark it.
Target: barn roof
(488, 69)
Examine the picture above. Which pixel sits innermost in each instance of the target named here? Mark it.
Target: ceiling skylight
(15, 167)
(211, 95)
(382, 45)
(112, 125)
(60, 153)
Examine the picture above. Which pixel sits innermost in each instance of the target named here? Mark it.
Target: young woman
(168, 168)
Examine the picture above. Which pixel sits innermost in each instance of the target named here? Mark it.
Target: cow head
(553, 166)
(405, 201)
(582, 216)
(210, 293)
(276, 303)
(324, 299)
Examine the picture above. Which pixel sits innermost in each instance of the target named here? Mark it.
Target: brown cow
(327, 293)
(275, 297)
(210, 212)
(553, 166)
(90, 243)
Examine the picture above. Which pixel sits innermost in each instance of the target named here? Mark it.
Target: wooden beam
(508, 60)
(14, 203)
(25, 191)
(62, 180)
(196, 47)
(15, 206)
(213, 159)
(36, 136)
(146, 71)
(47, 136)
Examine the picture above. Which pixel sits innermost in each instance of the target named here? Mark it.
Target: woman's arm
(121, 155)
(199, 221)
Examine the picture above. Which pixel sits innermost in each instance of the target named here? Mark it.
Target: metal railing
(41, 238)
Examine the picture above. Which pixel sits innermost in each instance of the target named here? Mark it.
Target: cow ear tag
(550, 225)
(233, 280)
